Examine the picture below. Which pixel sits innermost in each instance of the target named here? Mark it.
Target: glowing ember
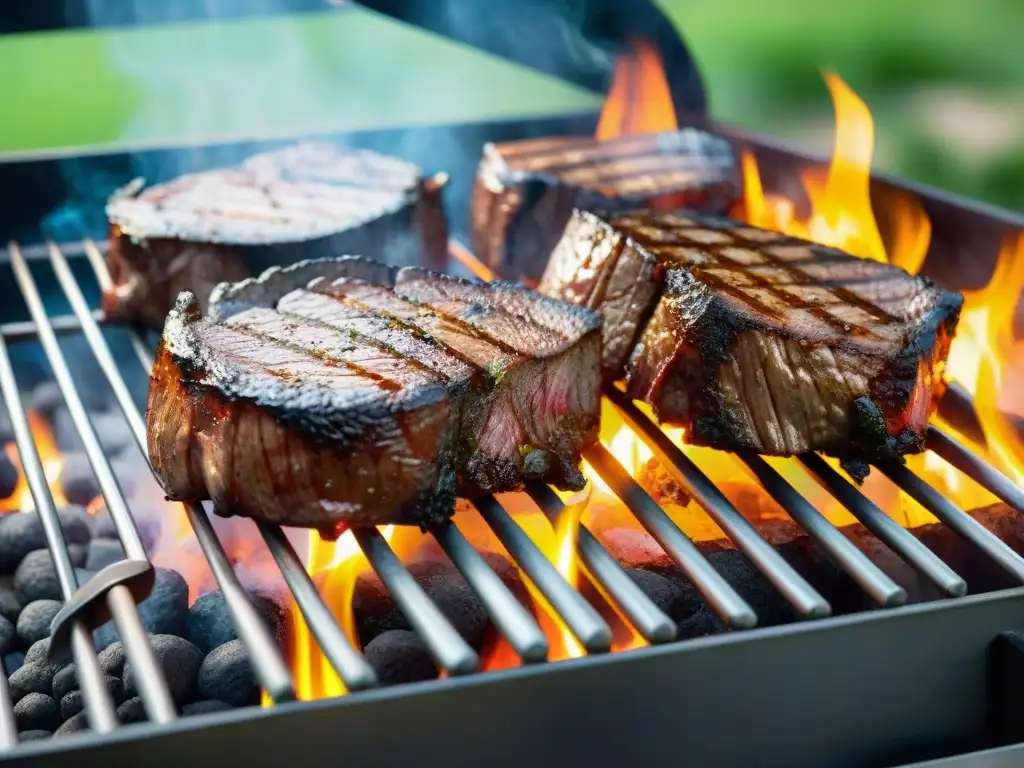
(51, 459)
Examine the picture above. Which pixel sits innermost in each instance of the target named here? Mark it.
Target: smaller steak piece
(339, 392)
(526, 190)
(751, 339)
(301, 202)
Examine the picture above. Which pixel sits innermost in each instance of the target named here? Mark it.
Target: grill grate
(514, 622)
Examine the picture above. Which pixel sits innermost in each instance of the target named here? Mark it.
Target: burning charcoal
(38, 652)
(31, 678)
(8, 476)
(635, 549)
(179, 660)
(663, 592)
(78, 554)
(34, 622)
(78, 481)
(8, 636)
(73, 701)
(132, 711)
(37, 711)
(226, 675)
(112, 659)
(399, 656)
(13, 661)
(77, 723)
(33, 735)
(460, 605)
(701, 624)
(64, 682)
(103, 552)
(103, 527)
(114, 435)
(36, 578)
(661, 485)
(374, 610)
(75, 524)
(204, 707)
(20, 533)
(10, 603)
(164, 612)
(771, 608)
(209, 622)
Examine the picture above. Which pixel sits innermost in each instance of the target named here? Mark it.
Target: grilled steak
(755, 340)
(340, 392)
(526, 190)
(301, 202)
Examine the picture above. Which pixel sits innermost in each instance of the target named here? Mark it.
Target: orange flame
(841, 214)
(639, 100)
(51, 459)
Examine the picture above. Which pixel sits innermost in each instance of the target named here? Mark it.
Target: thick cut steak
(751, 339)
(339, 392)
(301, 202)
(526, 190)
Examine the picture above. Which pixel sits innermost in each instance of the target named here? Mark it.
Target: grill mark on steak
(344, 403)
(759, 341)
(402, 313)
(526, 190)
(308, 200)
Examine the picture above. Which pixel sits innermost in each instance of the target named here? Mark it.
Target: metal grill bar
(445, 644)
(733, 609)
(515, 622)
(972, 465)
(647, 618)
(898, 539)
(97, 700)
(151, 684)
(954, 517)
(880, 587)
(8, 725)
(266, 660)
(800, 594)
(510, 617)
(585, 623)
(352, 668)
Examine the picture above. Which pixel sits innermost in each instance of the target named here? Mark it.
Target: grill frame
(589, 677)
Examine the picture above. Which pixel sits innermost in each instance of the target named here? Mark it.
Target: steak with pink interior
(751, 339)
(302, 202)
(341, 392)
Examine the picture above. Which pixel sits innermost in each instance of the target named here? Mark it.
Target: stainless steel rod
(795, 588)
(21, 330)
(264, 655)
(352, 668)
(653, 624)
(515, 623)
(895, 536)
(268, 665)
(844, 552)
(720, 595)
(975, 467)
(961, 522)
(152, 688)
(8, 725)
(98, 703)
(581, 618)
(446, 645)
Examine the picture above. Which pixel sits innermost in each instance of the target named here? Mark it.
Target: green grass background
(944, 78)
